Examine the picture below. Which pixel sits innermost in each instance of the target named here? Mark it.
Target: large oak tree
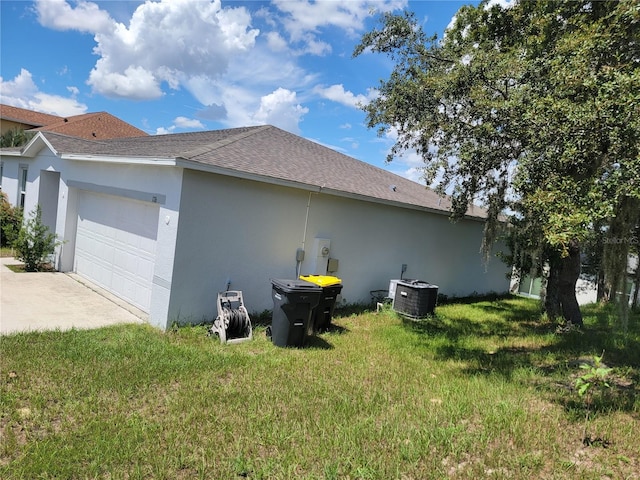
(532, 109)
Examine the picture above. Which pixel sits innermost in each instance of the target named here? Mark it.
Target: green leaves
(533, 109)
(595, 376)
(14, 138)
(35, 243)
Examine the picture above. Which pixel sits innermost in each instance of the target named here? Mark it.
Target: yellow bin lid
(322, 280)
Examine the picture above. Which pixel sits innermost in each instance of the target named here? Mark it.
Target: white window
(22, 185)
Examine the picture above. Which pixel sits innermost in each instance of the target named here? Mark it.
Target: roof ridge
(224, 142)
(73, 119)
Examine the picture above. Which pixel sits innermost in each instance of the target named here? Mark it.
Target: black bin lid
(295, 286)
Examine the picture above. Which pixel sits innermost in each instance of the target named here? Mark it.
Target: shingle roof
(99, 125)
(271, 154)
(27, 117)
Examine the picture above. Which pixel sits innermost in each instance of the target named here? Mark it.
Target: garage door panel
(115, 245)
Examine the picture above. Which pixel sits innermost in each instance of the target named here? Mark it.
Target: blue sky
(174, 66)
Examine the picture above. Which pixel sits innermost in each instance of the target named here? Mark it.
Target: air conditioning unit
(415, 298)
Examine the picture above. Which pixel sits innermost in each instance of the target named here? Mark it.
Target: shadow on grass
(264, 318)
(533, 344)
(318, 343)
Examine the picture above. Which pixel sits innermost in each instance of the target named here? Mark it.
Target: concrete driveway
(57, 301)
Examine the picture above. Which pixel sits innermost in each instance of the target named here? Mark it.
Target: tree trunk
(561, 287)
(601, 294)
(552, 298)
(568, 277)
(636, 288)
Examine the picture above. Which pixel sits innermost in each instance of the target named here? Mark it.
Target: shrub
(35, 243)
(10, 221)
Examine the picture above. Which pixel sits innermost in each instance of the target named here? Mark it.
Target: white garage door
(116, 245)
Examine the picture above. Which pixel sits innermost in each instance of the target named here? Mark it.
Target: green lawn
(482, 390)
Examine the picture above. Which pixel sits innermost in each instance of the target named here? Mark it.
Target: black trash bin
(415, 298)
(323, 313)
(293, 302)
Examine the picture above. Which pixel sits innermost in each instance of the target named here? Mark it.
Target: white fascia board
(37, 143)
(13, 153)
(158, 161)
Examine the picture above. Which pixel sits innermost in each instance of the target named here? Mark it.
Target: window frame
(23, 180)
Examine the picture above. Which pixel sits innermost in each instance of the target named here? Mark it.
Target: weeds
(593, 382)
(478, 390)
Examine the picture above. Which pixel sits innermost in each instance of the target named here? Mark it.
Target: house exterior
(91, 126)
(586, 286)
(167, 222)
(14, 118)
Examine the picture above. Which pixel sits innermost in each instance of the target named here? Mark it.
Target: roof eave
(115, 159)
(37, 143)
(10, 153)
(193, 165)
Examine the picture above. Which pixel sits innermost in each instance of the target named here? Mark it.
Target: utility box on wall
(319, 256)
(332, 265)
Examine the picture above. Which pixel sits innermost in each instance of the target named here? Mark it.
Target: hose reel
(232, 324)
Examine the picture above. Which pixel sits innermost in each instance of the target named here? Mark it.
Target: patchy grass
(20, 268)
(481, 390)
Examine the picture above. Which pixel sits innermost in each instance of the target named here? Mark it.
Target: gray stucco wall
(245, 232)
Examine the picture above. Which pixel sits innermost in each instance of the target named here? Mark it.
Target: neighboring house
(14, 118)
(98, 126)
(586, 286)
(166, 222)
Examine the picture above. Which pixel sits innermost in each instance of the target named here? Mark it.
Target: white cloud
(235, 98)
(21, 86)
(85, 17)
(308, 16)
(165, 131)
(337, 93)
(275, 42)
(355, 144)
(281, 109)
(22, 92)
(216, 54)
(166, 41)
(304, 19)
(501, 3)
(134, 83)
(414, 174)
(312, 46)
(184, 122)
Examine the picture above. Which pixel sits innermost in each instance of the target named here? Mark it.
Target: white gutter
(155, 161)
(11, 153)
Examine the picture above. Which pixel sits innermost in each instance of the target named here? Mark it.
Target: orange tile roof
(92, 126)
(27, 117)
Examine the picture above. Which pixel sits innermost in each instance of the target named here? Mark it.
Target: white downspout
(304, 233)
